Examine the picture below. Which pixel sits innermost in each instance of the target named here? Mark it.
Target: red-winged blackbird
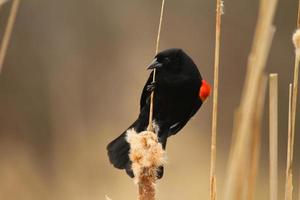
(179, 93)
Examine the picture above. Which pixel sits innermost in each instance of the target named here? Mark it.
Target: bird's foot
(160, 172)
(151, 87)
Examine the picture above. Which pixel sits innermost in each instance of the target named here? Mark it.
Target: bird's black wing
(179, 125)
(145, 94)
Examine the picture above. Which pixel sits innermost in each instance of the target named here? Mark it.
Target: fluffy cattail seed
(146, 155)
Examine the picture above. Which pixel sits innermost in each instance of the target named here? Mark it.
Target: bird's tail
(118, 153)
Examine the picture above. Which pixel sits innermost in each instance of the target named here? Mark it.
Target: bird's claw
(151, 87)
(160, 172)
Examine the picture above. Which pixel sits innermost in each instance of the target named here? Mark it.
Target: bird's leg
(151, 87)
(163, 140)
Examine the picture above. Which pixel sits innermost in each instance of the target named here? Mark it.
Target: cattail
(146, 155)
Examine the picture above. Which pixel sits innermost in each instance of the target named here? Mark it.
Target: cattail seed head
(145, 151)
(222, 8)
(296, 41)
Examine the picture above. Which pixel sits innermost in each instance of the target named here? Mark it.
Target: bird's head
(174, 61)
(169, 60)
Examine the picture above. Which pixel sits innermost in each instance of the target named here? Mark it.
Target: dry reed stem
(256, 140)
(3, 2)
(289, 173)
(296, 41)
(150, 127)
(273, 136)
(292, 112)
(8, 31)
(299, 188)
(213, 186)
(147, 174)
(296, 38)
(256, 65)
(298, 15)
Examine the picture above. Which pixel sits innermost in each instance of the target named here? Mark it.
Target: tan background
(72, 79)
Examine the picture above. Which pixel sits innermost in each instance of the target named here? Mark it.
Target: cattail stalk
(149, 146)
(289, 173)
(299, 189)
(244, 130)
(273, 136)
(150, 126)
(293, 109)
(213, 186)
(8, 31)
(296, 41)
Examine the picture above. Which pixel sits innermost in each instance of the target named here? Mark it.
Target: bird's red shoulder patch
(204, 91)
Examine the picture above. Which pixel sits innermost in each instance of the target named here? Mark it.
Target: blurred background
(72, 79)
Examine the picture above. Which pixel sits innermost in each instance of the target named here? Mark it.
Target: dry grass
(299, 188)
(273, 135)
(290, 146)
(293, 91)
(213, 185)
(150, 128)
(296, 41)
(256, 140)
(239, 159)
(8, 31)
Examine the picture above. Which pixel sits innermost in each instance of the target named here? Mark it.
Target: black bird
(179, 93)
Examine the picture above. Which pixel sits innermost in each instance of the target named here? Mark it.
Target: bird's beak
(155, 64)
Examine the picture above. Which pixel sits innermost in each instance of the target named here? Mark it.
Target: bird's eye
(166, 59)
(162, 59)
